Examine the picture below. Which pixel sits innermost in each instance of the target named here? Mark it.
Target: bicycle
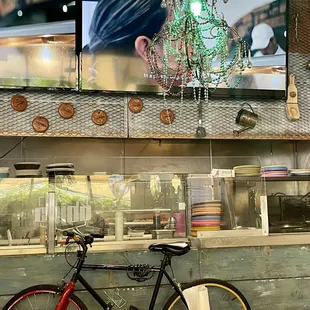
(50, 297)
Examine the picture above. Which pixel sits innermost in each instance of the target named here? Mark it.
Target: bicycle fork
(63, 302)
(69, 289)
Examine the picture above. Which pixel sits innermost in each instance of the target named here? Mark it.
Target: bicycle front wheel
(41, 297)
(222, 296)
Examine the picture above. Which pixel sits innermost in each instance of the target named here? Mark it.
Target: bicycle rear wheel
(222, 296)
(41, 297)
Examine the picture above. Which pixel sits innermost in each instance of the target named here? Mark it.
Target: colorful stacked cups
(206, 216)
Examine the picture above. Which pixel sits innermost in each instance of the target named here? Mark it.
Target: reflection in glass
(23, 211)
(122, 207)
(42, 61)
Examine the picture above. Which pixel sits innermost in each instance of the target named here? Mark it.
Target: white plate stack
(28, 170)
(60, 169)
(300, 172)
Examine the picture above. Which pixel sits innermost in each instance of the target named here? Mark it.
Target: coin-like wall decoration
(167, 116)
(66, 110)
(19, 103)
(135, 105)
(99, 117)
(40, 124)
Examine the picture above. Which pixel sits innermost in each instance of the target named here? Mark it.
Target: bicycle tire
(210, 283)
(42, 289)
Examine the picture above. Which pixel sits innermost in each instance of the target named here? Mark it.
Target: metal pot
(247, 119)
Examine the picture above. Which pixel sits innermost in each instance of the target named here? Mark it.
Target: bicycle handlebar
(97, 236)
(71, 234)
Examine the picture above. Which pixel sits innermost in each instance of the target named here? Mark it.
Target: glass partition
(133, 198)
(23, 211)
(122, 207)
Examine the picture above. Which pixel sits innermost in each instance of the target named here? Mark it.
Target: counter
(196, 243)
(270, 275)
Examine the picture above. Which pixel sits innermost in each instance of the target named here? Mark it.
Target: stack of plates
(28, 170)
(274, 171)
(247, 171)
(206, 216)
(60, 169)
(4, 172)
(301, 172)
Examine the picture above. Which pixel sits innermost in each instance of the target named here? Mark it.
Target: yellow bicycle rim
(215, 285)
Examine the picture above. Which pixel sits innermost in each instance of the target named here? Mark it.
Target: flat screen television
(116, 34)
(37, 43)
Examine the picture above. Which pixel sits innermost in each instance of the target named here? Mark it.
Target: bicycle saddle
(175, 248)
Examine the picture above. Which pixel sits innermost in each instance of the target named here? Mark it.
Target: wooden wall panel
(270, 277)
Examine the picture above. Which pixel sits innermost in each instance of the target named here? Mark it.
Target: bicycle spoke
(35, 301)
(48, 299)
(30, 303)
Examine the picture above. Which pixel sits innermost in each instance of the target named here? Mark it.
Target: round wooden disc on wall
(19, 103)
(99, 117)
(167, 116)
(40, 124)
(66, 110)
(135, 105)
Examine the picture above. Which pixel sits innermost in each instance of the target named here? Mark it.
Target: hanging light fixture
(196, 45)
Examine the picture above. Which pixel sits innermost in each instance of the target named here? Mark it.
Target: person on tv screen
(264, 41)
(125, 26)
(119, 36)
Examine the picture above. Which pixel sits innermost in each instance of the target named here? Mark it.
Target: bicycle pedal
(133, 308)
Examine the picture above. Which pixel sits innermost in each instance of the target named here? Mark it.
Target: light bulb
(196, 7)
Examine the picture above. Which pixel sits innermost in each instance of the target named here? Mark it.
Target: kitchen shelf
(281, 179)
(139, 223)
(138, 210)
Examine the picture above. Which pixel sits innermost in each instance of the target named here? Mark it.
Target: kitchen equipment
(300, 172)
(171, 223)
(245, 118)
(247, 171)
(288, 209)
(163, 233)
(28, 173)
(119, 225)
(180, 223)
(4, 172)
(136, 233)
(274, 171)
(206, 216)
(200, 131)
(60, 169)
(292, 107)
(27, 165)
(156, 220)
(286, 227)
(60, 165)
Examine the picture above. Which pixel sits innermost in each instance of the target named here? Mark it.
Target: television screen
(37, 43)
(117, 33)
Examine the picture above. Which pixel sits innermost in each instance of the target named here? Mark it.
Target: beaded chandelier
(196, 46)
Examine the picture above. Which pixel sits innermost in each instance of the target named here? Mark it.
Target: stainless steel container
(163, 233)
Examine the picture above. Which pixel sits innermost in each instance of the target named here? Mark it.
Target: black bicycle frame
(160, 270)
